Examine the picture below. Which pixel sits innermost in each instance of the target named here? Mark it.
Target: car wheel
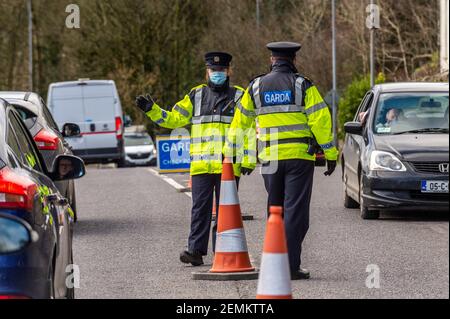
(348, 201)
(365, 212)
(121, 163)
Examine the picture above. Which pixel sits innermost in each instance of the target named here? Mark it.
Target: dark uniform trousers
(291, 187)
(203, 187)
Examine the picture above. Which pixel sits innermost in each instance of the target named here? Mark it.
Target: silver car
(139, 149)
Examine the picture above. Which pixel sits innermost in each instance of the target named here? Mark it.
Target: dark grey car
(396, 152)
(46, 134)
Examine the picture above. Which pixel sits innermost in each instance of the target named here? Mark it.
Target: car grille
(139, 156)
(428, 167)
(418, 195)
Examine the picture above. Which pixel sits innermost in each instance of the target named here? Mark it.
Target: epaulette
(305, 77)
(259, 76)
(198, 87)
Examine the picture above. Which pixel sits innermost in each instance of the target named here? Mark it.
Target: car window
(14, 145)
(29, 156)
(13, 160)
(48, 117)
(364, 106)
(138, 140)
(412, 113)
(28, 117)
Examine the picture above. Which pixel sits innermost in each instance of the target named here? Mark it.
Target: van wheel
(366, 214)
(121, 163)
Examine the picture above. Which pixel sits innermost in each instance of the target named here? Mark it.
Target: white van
(95, 106)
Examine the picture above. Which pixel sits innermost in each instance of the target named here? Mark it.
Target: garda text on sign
(173, 154)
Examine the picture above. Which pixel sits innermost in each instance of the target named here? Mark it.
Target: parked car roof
(412, 87)
(21, 95)
(25, 104)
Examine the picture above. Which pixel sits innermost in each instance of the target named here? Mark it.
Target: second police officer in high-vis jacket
(290, 113)
(210, 109)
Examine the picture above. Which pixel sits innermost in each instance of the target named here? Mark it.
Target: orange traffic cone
(275, 278)
(231, 245)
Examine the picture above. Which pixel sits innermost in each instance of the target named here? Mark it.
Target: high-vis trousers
(203, 188)
(291, 187)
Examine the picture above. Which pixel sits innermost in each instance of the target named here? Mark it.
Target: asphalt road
(133, 225)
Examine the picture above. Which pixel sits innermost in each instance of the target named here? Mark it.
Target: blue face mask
(218, 78)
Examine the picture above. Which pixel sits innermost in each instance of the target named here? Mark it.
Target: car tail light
(12, 297)
(16, 191)
(46, 140)
(119, 127)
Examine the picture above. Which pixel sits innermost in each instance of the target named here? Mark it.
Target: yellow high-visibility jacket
(210, 112)
(289, 111)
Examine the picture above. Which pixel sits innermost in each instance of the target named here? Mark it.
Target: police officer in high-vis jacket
(290, 113)
(210, 109)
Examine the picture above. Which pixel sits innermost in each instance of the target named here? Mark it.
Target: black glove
(246, 171)
(145, 103)
(331, 165)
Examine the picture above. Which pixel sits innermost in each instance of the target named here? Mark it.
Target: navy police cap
(284, 49)
(219, 59)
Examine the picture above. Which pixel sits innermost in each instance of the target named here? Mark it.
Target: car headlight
(384, 161)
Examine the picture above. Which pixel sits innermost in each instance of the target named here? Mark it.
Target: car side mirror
(15, 234)
(67, 167)
(71, 130)
(355, 128)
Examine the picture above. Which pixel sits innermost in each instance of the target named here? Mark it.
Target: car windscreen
(402, 113)
(138, 140)
(28, 117)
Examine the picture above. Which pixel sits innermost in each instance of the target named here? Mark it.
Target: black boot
(300, 274)
(189, 258)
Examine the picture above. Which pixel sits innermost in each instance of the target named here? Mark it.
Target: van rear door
(66, 103)
(99, 111)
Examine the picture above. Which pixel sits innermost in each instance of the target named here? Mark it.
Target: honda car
(396, 151)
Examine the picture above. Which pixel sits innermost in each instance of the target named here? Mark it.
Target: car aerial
(139, 149)
(33, 268)
(95, 106)
(45, 132)
(396, 151)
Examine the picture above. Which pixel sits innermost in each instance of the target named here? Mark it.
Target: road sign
(173, 154)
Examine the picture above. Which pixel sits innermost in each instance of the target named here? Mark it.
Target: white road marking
(170, 181)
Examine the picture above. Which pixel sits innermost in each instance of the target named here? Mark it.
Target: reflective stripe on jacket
(289, 110)
(210, 112)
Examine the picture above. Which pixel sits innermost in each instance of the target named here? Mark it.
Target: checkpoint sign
(173, 154)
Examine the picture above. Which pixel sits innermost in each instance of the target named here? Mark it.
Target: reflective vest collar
(279, 108)
(199, 119)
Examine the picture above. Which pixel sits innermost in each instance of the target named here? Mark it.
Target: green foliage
(352, 97)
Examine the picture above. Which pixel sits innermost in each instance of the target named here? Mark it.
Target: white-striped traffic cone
(275, 277)
(231, 245)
